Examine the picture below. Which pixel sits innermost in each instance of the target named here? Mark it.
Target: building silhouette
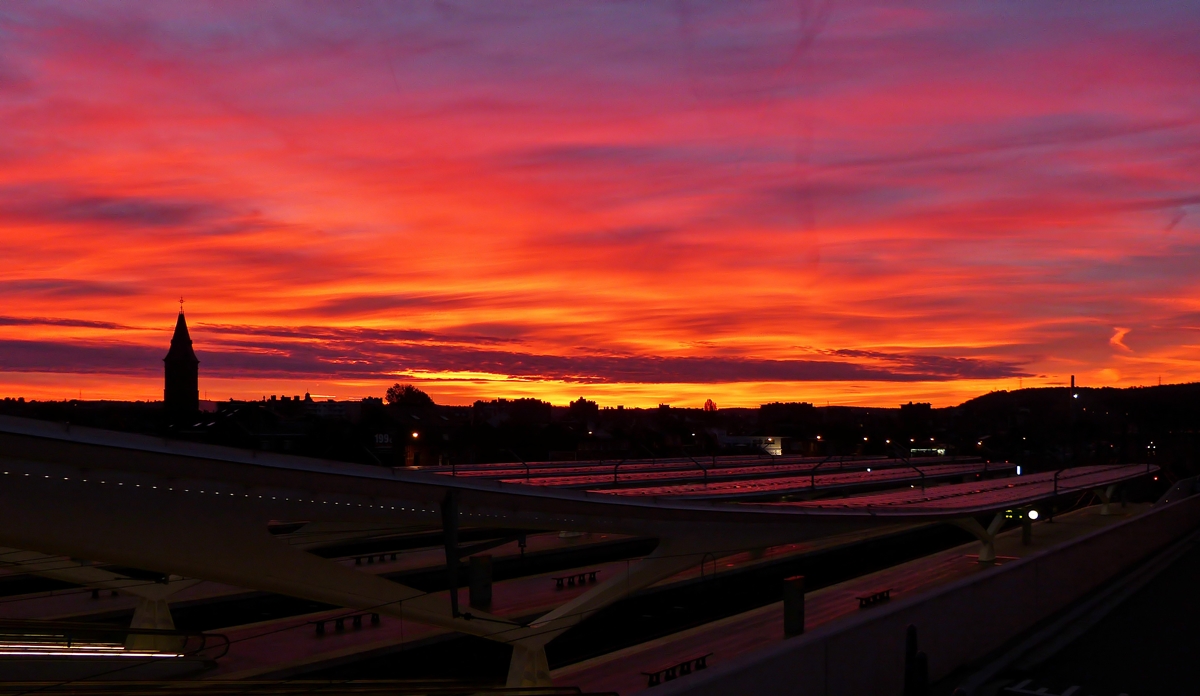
(181, 390)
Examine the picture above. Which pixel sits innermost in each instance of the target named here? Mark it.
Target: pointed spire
(181, 393)
(181, 344)
(181, 331)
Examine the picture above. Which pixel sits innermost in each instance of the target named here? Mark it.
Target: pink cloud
(730, 187)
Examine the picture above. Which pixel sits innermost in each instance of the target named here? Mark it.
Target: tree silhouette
(407, 395)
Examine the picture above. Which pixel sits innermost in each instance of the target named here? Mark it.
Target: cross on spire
(181, 304)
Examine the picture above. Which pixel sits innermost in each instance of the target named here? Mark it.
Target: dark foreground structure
(162, 520)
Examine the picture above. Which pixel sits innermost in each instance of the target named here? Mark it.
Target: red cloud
(654, 199)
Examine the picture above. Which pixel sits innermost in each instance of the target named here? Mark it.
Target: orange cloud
(1118, 339)
(637, 203)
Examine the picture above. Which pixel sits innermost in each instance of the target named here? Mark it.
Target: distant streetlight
(415, 435)
(1033, 514)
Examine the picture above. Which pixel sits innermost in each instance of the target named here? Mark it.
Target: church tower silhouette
(181, 392)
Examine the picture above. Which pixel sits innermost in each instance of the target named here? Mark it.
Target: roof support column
(987, 537)
(529, 667)
(156, 614)
(1105, 495)
(450, 538)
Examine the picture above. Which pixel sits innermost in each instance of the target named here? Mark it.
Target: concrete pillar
(910, 661)
(1105, 496)
(155, 614)
(916, 666)
(528, 666)
(1026, 529)
(987, 537)
(481, 581)
(921, 680)
(793, 606)
(450, 539)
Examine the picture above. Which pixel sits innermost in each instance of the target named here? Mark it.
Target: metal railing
(812, 484)
(615, 467)
(523, 463)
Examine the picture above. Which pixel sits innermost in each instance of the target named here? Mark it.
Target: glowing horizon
(852, 203)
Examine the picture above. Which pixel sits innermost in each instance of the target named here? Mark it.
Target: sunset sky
(636, 202)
